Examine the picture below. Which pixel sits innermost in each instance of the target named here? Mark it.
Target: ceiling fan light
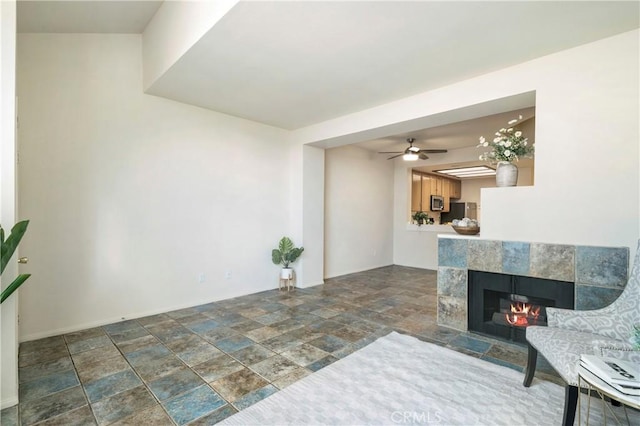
(410, 156)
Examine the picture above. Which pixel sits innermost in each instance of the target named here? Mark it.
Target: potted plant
(285, 254)
(508, 146)
(420, 217)
(7, 248)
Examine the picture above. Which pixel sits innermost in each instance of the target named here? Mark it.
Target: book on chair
(619, 374)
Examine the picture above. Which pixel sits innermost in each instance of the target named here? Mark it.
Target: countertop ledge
(459, 236)
(429, 228)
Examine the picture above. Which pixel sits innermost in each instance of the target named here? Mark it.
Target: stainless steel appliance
(459, 211)
(437, 203)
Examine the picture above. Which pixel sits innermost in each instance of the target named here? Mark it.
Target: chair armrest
(600, 322)
(575, 320)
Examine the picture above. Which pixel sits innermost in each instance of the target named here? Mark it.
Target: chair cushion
(562, 348)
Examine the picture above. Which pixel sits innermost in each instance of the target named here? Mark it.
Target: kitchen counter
(459, 236)
(420, 244)
(430, 228)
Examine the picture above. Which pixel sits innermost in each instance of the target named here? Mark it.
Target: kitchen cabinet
(455, 188)
(436, 185)
(446, 185)
(416, 192)
(424, 185)
(440, 186)
(426, 193)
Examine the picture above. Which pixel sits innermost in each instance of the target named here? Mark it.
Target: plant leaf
(293, 255)
(276, 256)
(285, 245)
(11, 244)
(13, 286)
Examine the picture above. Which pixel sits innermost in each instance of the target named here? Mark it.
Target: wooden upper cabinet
(426, 192)
(424, 185)
(436, 185)
(455, 188)
(416, 192)
(446, 194)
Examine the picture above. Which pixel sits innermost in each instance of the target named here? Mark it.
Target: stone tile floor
(200, 365)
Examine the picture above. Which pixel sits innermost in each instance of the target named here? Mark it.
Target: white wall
(131, 197)
(587, 144)
(471, 188)
(358, 211)
(9, 309)
(587, 141)
(312, 202)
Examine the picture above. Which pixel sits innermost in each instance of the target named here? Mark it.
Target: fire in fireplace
(504, 305)
(516, 310)
(522, 314)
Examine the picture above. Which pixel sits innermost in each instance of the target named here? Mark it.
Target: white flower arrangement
(508, 145)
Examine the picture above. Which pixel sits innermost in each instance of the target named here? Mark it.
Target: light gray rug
(399, 379)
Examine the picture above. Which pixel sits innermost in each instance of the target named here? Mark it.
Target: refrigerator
(459, 211)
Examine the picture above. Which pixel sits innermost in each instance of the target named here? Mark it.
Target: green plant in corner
(420, 217)
(7, 248)
(286, 253)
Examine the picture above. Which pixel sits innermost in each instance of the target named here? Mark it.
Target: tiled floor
(199, 365)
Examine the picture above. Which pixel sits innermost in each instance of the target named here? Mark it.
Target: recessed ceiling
(296, 63)
(468, 172)
(462, 134)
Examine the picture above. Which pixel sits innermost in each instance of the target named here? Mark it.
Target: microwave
(437, 203)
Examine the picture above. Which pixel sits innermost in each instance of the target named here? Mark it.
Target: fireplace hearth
(503, 305)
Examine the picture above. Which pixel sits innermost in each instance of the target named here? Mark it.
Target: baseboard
(100, 323)
(8, 402)
(355, 271)
(307, 285)
(417, 267)
(106, 321)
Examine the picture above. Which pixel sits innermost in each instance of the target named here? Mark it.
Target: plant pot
(286, 273)
(506, 174)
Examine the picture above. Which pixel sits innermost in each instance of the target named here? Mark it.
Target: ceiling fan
(413, 153)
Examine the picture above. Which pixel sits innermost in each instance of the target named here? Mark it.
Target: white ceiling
(76, 16)
(293, 64)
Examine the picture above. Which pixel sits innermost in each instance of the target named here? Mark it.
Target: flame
(522, 313)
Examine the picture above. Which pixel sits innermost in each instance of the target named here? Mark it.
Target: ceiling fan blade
(395, 156)
(391, 152)
(423, 156)
(434, 151)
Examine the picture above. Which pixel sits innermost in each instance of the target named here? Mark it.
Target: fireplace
(599, 275)
(503, 305)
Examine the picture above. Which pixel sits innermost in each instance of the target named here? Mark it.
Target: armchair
(603, 332)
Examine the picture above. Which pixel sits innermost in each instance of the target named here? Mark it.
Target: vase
(286, 273)
(506, 174)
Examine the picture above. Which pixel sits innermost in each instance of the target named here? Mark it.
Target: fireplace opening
(504, 305)
(520, 311)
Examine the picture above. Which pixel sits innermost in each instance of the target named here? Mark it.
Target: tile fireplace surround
(599, 273)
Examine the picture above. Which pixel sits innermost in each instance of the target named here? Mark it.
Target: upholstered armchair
(603, 332)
